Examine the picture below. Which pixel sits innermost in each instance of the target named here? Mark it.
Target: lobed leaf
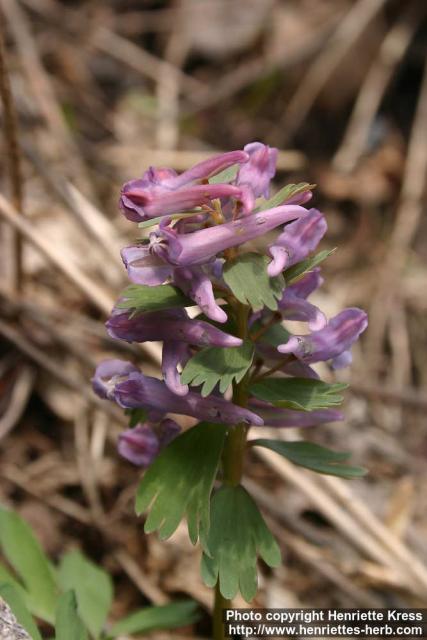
(68, 625)
(284, 194)
(140, 298)
(168, 616)
(92, 586)
(179, 482)
(25, 555)
(238, 534)
(218, 365)
(314, 457)
(248, 279)
(301, 394)
(297, 271)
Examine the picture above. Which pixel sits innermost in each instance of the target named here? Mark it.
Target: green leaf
(227, 175)
(7, 578)
(287, 192)
(248, 279)
(237, 535)
(297, 271)
(27, 558)
(92, 586)
(218, 364)
(168, 616)
(274, 335)
(179, 482)
(142, 298)
(314, 457)
(68, 625)
(136, 416)
(175, 216)
(17, 605)
(301, 394)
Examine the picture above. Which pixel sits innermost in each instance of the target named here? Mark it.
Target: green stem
(232, 461)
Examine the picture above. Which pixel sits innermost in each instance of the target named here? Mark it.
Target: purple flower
(297, 240)
(161, 192)
(295, 308)
(276, 417)
(173, 354)
(164, 325)
(139, 445)
(261, 168)
(143, 266)
(144, 204)
(107, 374)
(203, 245)
(197, 285)
(331, 342)
(140, 391)
(307, 284)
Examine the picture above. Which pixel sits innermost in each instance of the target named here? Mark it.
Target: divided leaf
(68, 624)
(140, 298)
(314, 457)
(218, 364)
(92, 586)
(179, 482)
(301, 394)
(297, 271)
(287, 192)
(227, 175)
(248, 279)
(168, 616)
(25, 555)
(14, 601)
(237, 535)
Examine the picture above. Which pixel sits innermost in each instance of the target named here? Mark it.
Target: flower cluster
(201, 218)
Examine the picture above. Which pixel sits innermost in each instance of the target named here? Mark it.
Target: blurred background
(96, 91)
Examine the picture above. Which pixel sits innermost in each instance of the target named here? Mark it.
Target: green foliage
(297, 271)
(140, 298)
(248, 279)
(301, 394)
(227, 175)
(68, 625)
(237, 535)
(287, 192)
(168, 616)
(179, 482)
(218, 365)
(26, 557)
(92, 586)
(86, 596)
(14, 599)
(313, 456)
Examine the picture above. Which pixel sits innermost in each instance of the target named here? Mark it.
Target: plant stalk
(232, 461)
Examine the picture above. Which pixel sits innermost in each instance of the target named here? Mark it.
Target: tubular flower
(162, 325)
(139, 391)
(202, 246)
(259, 171)
(161, 192)
(331, 342)
(139, 445)
(275, 417)
(297, 240)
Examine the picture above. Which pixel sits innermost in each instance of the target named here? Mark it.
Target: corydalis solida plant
(231, 364)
